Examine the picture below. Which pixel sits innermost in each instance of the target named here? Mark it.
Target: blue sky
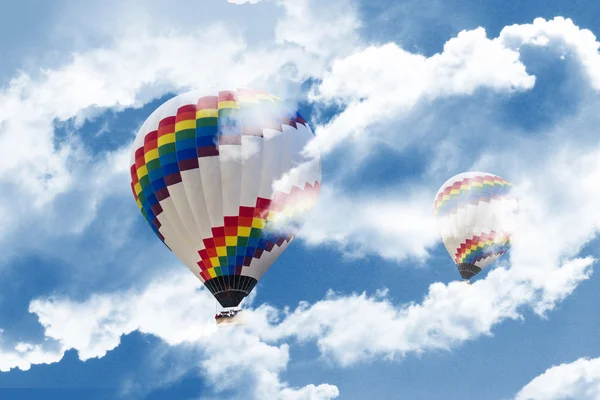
(364, 304)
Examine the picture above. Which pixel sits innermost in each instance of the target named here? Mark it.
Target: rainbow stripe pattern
(196, 131)
(247, 235)
(470, 191)
(481, 247)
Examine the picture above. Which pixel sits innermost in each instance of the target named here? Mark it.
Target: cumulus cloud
(560, 33)
(358, 327)
(381, 83)
(40, 166)
(174, 310)
(347, 329)
(577, 380)
(24, 355)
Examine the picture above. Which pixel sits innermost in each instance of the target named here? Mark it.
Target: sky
(366, 302)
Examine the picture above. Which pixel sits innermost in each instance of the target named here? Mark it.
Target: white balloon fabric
(474, 211)
(222, 181)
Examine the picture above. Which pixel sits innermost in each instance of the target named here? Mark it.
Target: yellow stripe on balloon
(166, 139)
(228, 104)
(142, 171)
(207, 113)
(151, 155)
(187, 124)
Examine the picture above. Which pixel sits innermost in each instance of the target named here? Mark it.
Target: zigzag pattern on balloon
(247, 235)
(197, 131)
(480, 247)
(470, 191)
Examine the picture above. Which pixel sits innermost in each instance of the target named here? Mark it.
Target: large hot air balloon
(474, 211)
(221, 179)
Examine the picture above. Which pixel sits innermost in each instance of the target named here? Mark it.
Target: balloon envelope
(221, 179)
(474, 212)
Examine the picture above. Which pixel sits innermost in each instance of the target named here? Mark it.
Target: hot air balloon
(474, 212)
(221, 179)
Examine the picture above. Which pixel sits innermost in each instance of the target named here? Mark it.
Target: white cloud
(393, 226)
(379, 83)
(24, 355)
(174, 310)
(319, 26)
(310, 392)
(559, 194)
(353, 328)
(578, 380)
(560, 33)
(315, 25)
(97, 79)
(347, 328)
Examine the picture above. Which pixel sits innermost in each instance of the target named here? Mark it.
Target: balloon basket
(230, 318)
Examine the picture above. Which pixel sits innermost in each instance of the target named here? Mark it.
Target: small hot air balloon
(221, 179)
(474, 212)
